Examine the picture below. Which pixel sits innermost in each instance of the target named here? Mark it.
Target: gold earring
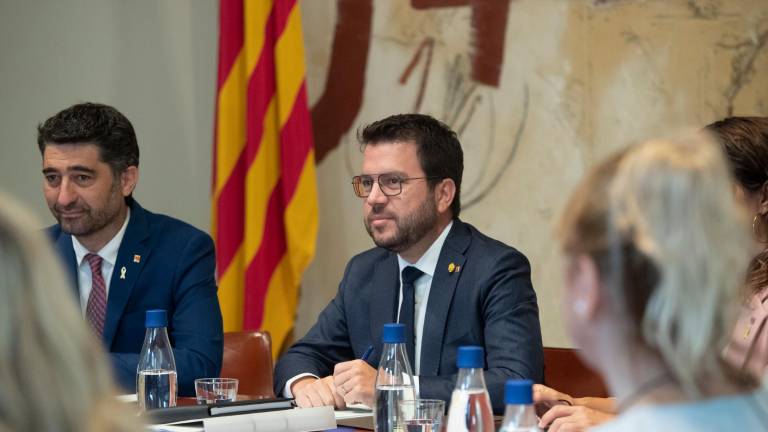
(756, 228)
(754, 222)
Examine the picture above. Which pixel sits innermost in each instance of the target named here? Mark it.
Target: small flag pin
(122, 273)
(137, 258)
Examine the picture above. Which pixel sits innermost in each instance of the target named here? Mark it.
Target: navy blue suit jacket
(169, 265)
(490, 302)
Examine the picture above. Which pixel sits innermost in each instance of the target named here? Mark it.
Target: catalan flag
(264, 185)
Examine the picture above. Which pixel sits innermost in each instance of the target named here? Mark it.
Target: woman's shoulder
(743, 412)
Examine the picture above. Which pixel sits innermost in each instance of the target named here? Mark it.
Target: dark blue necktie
(407, 311)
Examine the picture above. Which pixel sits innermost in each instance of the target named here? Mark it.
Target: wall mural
(538, 90)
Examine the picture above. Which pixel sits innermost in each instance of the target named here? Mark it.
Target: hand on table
(355, 381)
(565, 418)
(542, 393)
(314, 392)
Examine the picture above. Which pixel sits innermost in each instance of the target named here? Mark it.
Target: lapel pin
(122, 273)
(137, 258)
(458, 269)
(451, 267)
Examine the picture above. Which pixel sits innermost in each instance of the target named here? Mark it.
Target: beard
(91, 219)
(409, 229)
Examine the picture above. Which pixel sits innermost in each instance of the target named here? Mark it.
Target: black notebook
(200, 412)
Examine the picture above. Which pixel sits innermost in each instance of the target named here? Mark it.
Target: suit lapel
(441, 295)
(385, 293)
(131, 257)
(67, 254)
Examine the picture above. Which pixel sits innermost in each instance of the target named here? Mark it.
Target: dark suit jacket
(175, 272)
(489, 302)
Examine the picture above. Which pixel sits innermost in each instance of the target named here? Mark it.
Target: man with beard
(448, 283)
(125, 260)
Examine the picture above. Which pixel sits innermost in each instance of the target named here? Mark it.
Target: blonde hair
(53, 372)
(671, 246)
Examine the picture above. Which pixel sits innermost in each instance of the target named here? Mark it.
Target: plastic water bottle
(519, 415)
(394, 380)
(470, 404)
(156, 373)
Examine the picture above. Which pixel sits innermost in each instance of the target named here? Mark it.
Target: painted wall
(539, 89)
(562, 84)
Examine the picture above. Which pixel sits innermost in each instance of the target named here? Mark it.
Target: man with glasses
(448, 283)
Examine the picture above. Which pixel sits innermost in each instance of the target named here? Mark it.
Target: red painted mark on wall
(340, 102)
(489, 27)
(428, 45)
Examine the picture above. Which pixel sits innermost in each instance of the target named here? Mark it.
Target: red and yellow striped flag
(264, 186)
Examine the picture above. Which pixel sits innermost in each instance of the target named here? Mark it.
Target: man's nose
(67, 193)
(376, 196)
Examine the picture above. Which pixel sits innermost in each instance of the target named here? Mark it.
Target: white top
(747, 412)
(427, 264)
(108, 256)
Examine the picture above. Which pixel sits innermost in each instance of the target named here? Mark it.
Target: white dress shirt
(427, 264)
(108, 255)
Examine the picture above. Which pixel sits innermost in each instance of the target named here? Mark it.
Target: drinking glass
(422, 415)
(214, 390)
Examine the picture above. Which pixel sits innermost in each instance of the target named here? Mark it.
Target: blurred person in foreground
(54, 375)
(655, 256)
(745, 143)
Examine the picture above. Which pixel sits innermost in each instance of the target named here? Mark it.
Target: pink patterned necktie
(96, 311)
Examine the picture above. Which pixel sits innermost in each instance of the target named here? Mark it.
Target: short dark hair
(92, 123)
(437, 146)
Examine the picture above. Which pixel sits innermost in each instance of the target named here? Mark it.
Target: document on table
(176, 428)
(357, 416)
(292, 420)
(295, 420)
(354, 411)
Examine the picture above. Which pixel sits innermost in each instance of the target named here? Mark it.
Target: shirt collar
(428, 262)
(109, 252)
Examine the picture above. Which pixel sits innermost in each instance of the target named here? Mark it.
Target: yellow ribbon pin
(122, 273)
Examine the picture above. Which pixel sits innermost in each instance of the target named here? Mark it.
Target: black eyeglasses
(390, 184)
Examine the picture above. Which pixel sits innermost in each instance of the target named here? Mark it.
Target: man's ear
(586, 287)
(444, 192)
(128, 180)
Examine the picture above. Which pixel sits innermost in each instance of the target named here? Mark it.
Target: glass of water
(214, 390)
(422, 415)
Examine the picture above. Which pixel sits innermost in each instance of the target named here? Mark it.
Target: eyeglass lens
(390, 184)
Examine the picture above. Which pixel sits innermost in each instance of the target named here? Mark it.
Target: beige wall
(598, 75)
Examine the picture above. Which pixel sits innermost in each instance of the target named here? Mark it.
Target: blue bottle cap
(394, 333)
(470, 357)
(518, 392)
(156, 318)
